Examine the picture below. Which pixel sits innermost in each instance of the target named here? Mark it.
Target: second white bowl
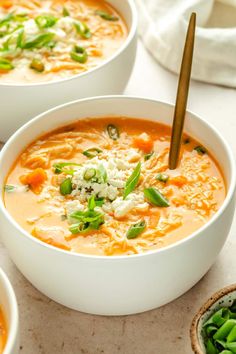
(20, 102)
(9, 308)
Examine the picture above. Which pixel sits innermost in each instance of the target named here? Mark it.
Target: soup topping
(219, 331)
(102, 186)
(48, 39)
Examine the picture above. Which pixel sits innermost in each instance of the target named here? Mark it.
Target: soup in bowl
(54, 51)
(54, 39)
(87, 189)
(8, 317)
(103, 186)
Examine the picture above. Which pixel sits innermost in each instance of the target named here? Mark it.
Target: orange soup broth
(195, 190)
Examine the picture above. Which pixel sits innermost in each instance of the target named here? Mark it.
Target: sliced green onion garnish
(78, 228)
(155, 197)
(106, 16)
(92, 152)
(113, 132)
(162, 177)
(65, 12)
(20, 37)
(59, 167)
(79, 54)
(83, 30)
(40, 41)
(219, 331)
(6, 19)
(148, 156)
(6, 64)
(200, 149)
(91, 203)
(211, 348)
(132, 181)
(66, 186)
(87, 220)
(21, 17)
(45, 21)
(99, 201)
(37, 65)
(136, 229)
(225, 329)
(186, 141)
(102, 174)
(9, 188)
(89, 174)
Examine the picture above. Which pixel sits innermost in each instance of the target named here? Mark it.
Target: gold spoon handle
(182, 94)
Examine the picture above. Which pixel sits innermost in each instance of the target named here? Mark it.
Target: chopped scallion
(40, 41)
(132, 181)
(136, 229)
(79, 54)
(65, 12)
(106, 16)
(148, 156)
(200, 149)
(155, 197)
(66, 186)
(162, 177)
(37, 65)
(83, 29)
(6, 64)
(59, 167)
(89, 174)
(9, 188)
(113, 132)
(92, 152)
(45, 21)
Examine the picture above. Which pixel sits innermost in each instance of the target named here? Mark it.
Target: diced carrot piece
(178, 181)
(6, 4)
(143, 142)
(35, 179)
(2, 71)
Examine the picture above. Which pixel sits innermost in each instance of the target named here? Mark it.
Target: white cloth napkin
(163, 26)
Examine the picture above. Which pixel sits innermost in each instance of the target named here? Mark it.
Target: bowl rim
(12, 330)
(131, 35)
(203, 309)
(229, 196)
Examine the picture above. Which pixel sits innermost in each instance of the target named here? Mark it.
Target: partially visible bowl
(222, 298)
(21, 102)
(9, 308)
(117, 285)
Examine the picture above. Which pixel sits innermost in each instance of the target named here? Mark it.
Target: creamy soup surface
(102, 186)
(3, 332)
(45, 40)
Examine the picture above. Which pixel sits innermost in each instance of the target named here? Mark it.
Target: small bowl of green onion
(213, 329)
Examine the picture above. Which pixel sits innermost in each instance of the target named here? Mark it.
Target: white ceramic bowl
(20, 102)
(125, 284)
(9, 308)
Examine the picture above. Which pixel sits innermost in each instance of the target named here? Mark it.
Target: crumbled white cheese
(65, 23)
(118, 171)
(31, 27)
(133, 156)
(47, 193)
(121, 207)
(72, 206)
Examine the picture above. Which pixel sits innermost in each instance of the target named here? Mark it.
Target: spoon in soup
(182, 94)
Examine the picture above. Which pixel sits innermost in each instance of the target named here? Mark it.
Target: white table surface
(48, 328)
